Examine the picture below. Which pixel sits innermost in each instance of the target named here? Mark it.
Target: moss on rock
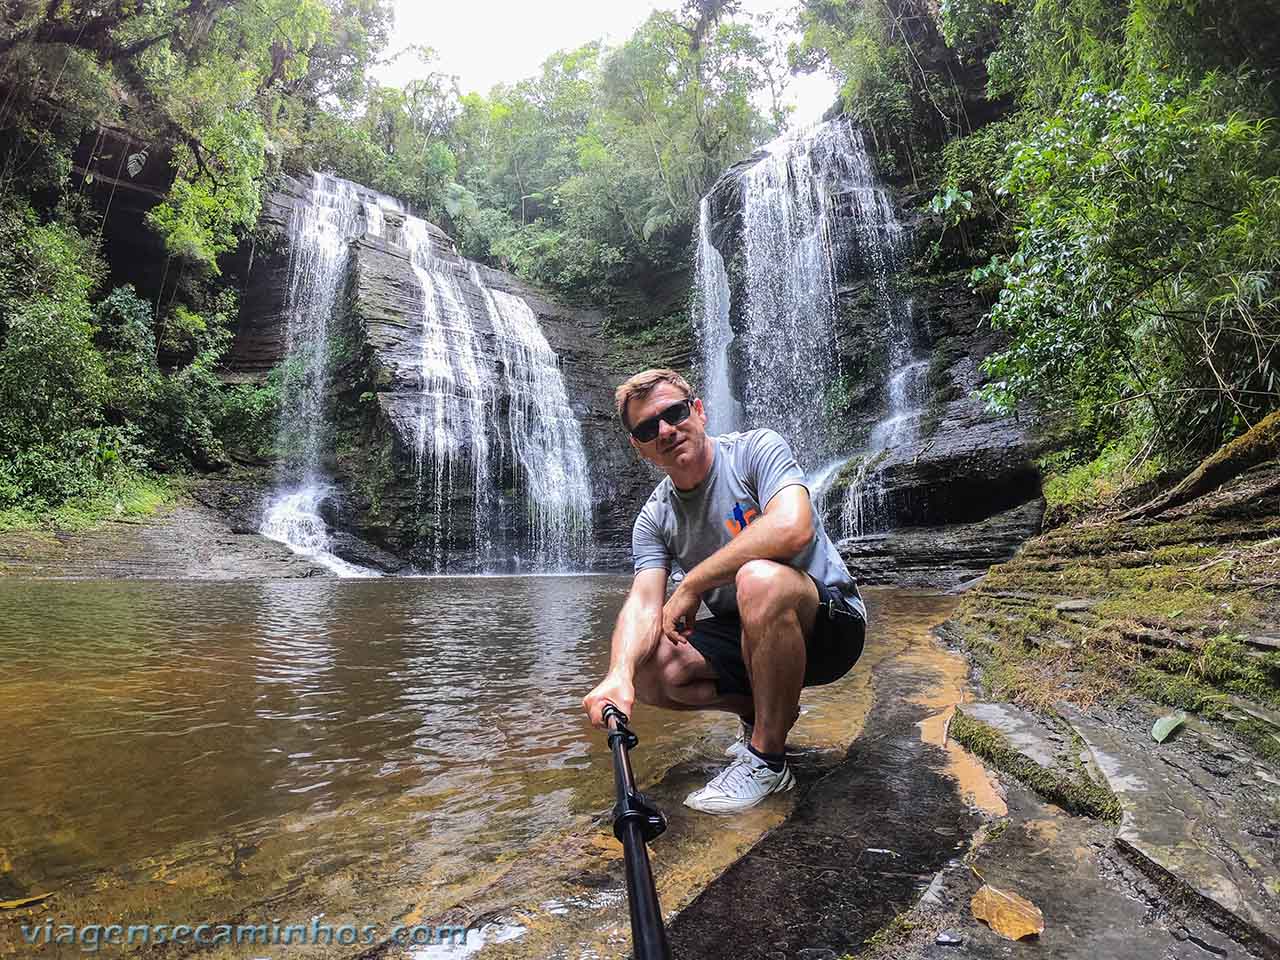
(1072, 790)
(1162, 610)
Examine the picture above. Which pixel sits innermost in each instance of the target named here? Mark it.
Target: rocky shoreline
(1129, 847)
(188, 540)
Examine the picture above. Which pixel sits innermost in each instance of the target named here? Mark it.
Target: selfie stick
(636, 822)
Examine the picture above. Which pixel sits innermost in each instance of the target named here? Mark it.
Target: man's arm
(785, 529)
(635, 637)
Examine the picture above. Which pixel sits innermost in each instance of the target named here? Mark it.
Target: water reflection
(218, 744)
(147, 714)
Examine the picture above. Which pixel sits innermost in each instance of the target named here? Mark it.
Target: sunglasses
(646, 430)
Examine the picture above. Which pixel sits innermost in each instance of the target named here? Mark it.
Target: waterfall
(881, 242)
(542, 433)
(811, 203)
(490, 415)
(787, 318)
(457, 396)
(320, 233)
(498, 459)
(711, 287)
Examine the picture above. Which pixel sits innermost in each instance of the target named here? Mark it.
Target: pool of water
(179, 750)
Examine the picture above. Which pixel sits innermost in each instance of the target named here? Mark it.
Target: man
(780, 610)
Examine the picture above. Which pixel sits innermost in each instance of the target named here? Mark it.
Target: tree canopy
(586, 177)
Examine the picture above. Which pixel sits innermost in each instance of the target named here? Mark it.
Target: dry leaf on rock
(1008, 914)
(24, 902)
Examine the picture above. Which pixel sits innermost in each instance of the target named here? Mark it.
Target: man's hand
(618, 690)
(679, 614)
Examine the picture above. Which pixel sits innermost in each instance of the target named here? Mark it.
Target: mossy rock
(1070, 788)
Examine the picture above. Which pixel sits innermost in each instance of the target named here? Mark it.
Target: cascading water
(461, 432)
(812, 202)
(711, 286)
(788, 315)
(320, 233)
(865, 507)
(541, 432)
(452, 429)
(494, 438)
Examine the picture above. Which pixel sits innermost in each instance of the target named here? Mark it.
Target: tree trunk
(1258, 445)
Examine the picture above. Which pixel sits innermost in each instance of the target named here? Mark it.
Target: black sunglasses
(646, 430)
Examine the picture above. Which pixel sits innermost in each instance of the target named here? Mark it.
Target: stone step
(1196, 812)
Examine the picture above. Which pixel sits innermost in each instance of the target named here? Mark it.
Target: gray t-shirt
(687, 526)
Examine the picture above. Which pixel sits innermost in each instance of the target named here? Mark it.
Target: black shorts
(831, 648)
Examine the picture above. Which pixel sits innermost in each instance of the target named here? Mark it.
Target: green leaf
(1166, 725)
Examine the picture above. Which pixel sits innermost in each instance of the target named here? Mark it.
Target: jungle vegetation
(1106, 171)
(1110, 170)
(586, 176)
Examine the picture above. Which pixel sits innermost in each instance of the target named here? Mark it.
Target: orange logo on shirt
(739, 521)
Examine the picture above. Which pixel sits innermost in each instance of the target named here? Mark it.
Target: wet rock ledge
(1131, 848)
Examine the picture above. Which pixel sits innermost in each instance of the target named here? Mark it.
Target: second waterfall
(779, 239)
(468, 382)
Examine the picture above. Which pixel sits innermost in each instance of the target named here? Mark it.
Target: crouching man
(778, 608)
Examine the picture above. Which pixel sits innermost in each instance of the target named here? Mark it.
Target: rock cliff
(378, 386)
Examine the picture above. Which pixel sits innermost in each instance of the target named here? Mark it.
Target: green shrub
(1071, 487)
(1148, 252)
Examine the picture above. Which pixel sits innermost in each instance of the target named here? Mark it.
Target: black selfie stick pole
(635, 822)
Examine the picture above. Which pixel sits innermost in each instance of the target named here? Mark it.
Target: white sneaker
(739, 747)
(740, 786)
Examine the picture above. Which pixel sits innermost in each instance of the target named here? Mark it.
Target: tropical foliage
(586, 176)
(1129, 191)
(1107, 168)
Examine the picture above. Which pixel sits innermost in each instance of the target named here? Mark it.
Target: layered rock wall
(378, 385)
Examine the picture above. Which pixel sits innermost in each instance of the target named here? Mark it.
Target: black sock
(776, 761)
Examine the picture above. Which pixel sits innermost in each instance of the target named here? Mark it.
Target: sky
(485, 42)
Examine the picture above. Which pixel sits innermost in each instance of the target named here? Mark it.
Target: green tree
(1148, 260)
(896, 75)
(53, 381)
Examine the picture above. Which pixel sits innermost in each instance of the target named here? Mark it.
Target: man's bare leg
(778, 605)
(677, 677)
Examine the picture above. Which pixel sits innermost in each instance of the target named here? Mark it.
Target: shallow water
(180, 751)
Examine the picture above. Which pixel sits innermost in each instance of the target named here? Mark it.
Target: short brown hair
(644, 383)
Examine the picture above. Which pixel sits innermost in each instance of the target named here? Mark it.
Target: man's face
(675, 447)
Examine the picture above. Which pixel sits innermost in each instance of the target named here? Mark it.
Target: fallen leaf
(1011, 916)
(1163, 727)
(24, 902)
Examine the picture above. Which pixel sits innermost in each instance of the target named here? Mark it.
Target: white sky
(485, 42)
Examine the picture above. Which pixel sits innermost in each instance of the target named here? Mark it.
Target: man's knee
(767, 590)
